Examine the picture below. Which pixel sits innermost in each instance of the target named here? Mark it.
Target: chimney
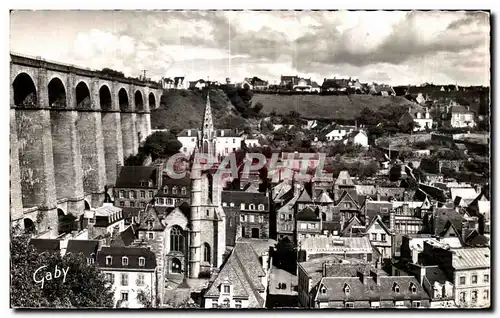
(391, 220)
(265, 261)
(422, 275)
(222, 132)
(405, 196)
(375, 275)
(378, 196)
(468, 108)
(118, 168)
(159, 175)
(414, 255)
(189, 132)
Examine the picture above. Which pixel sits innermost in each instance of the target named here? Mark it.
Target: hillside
(180, 109)
(327, 106)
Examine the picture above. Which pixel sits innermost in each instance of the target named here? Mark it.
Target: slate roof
(304, 197)
(238, 197)
(468, 258)
(373, 208)
(133, 254)
(344, 175)
(129, 213)
(380, 222)
(445, 215)
(150, 214)
(307, 214)
(243, 271)
(384, 291)
(132, 176)
(83, 246)
(476, 239)
(46, 245)
(126, 237)
(326, 243)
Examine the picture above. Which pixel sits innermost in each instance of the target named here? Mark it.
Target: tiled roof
(83, 246)
(46, 245)
(132, 176)
(133, 254)
(476, 239)
(468, 258)
(307, 214)
(243, 271)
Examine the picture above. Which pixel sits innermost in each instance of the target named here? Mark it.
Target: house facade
(339, 132)
(136, 186)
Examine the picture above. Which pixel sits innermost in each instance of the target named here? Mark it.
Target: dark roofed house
(241, 282)
(136, 186)
(46, 245)
(88, 248)
(308, 222)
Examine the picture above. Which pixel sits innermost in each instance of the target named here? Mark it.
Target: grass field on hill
(327, 106)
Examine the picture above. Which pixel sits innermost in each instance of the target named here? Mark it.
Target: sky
(392, 47)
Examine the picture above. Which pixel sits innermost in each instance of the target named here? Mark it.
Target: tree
(286, 255)
(160, 144)
(84, 286)
(67, 223)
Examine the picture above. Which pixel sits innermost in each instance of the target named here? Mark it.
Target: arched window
(176, 266)
(183, 190)
(395, 287)
(261, 207)
(251, 206)
(206, 253)
(174, 190)
(176, 239)
(347, 289)
(165, 190)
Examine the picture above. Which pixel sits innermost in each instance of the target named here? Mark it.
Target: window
(486, 278)
(206, 252)
(121, 194)
(132, 194)
(227, 289)
(142, 261)
(231, 204)
(462, 280)
(289, 216)
(395, 288)
(151, 235)
(261, 207)
(261, 219)
(122, 203)
(242, 218)
(462, 297)
(143, 204)
(347, 289)
(109, 260)
(344, 181)
(124, 280)
(323, 216)
(486, 294)
(214, 305)
(382, 237)
(251, 206)
(303, 226)
(174, 190)
(349, 305)
(208, 212)
(234, 141)
(415, 304)
(374, 236)
(226, 303)
(91, 221)
(323, 289)
(176, 239)
(125, 261)
(224, 204)
(375, 304)
(110, 277)
(151, 194)
(140, 279)
(237, 303)
(282, 216)
(132, 204)
(183, 190)
(124, 296)
(474, 296)
(143, 194)
(165, 190)
(413, 288)
(169, 201)
(243, 234)
(474, 279)
(251, 218)
(176, 266)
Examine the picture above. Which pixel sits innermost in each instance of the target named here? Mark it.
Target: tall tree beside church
(84, 286)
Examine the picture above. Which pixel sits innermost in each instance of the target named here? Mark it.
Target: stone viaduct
(69, 129)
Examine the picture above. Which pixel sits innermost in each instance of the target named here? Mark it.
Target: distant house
(303, 85)
(422, 120)
(289, 81)
(167, 83)
(315, 88)
(458, 116)
(199, 84)
(179, 82)
(382, 89)
(246, 84)
(335, 85)
(339, 132)
(259, 84)
(357, 137)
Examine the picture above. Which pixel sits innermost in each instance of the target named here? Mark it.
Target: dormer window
(183, 191)
(395, 288)
(174, 190)
(261, 207)
(165, 190)
(109, 260)
(226, 289)
(251, 206)
(142, 261)
(125, 261)
(413, 288)
(347, 289)
(323, 289)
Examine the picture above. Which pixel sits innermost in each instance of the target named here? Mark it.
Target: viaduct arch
(69, 129)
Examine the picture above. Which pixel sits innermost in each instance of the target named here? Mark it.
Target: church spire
(208, 124)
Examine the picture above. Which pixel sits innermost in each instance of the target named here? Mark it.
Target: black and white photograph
(250, 159)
